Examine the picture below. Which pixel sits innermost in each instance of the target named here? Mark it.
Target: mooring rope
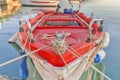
(20, 57)
(34, 59)
(74, 52)
(64, 62)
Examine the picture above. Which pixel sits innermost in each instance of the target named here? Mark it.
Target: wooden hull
(62, 44)
(90, 74)
(35, 75)
(44, 32)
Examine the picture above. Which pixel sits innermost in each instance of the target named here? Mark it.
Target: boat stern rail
(91, 28)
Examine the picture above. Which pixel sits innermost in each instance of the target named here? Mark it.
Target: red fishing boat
(68, 28)
(63, 45)
(60, 45)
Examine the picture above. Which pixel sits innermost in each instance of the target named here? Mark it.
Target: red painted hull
(77, 39)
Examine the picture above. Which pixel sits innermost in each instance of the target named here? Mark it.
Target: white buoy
(100, 56)
(102, 53)
(107, 40)
(13, 38)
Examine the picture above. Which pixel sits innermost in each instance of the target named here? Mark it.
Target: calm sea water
(109, 10)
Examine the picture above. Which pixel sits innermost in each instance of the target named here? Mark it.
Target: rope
(83, 21)
(86, 25)
(25, 43)
(27, 51)
(64, 62)
(35, 25)
(20, 57)
(91, 66)
(74, 52)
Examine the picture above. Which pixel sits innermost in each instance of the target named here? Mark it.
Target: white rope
(74, 52)
(83, 21)
(25, 44)
(20, 57)
(36, 60)
(64, 63)
(35, 25)
(85, 60)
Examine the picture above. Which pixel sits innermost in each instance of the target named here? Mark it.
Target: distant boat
(39, 2)
(43, 3)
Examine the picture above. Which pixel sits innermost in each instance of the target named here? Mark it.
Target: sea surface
(109, 10)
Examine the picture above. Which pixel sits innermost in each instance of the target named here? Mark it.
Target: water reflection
(7, 10)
